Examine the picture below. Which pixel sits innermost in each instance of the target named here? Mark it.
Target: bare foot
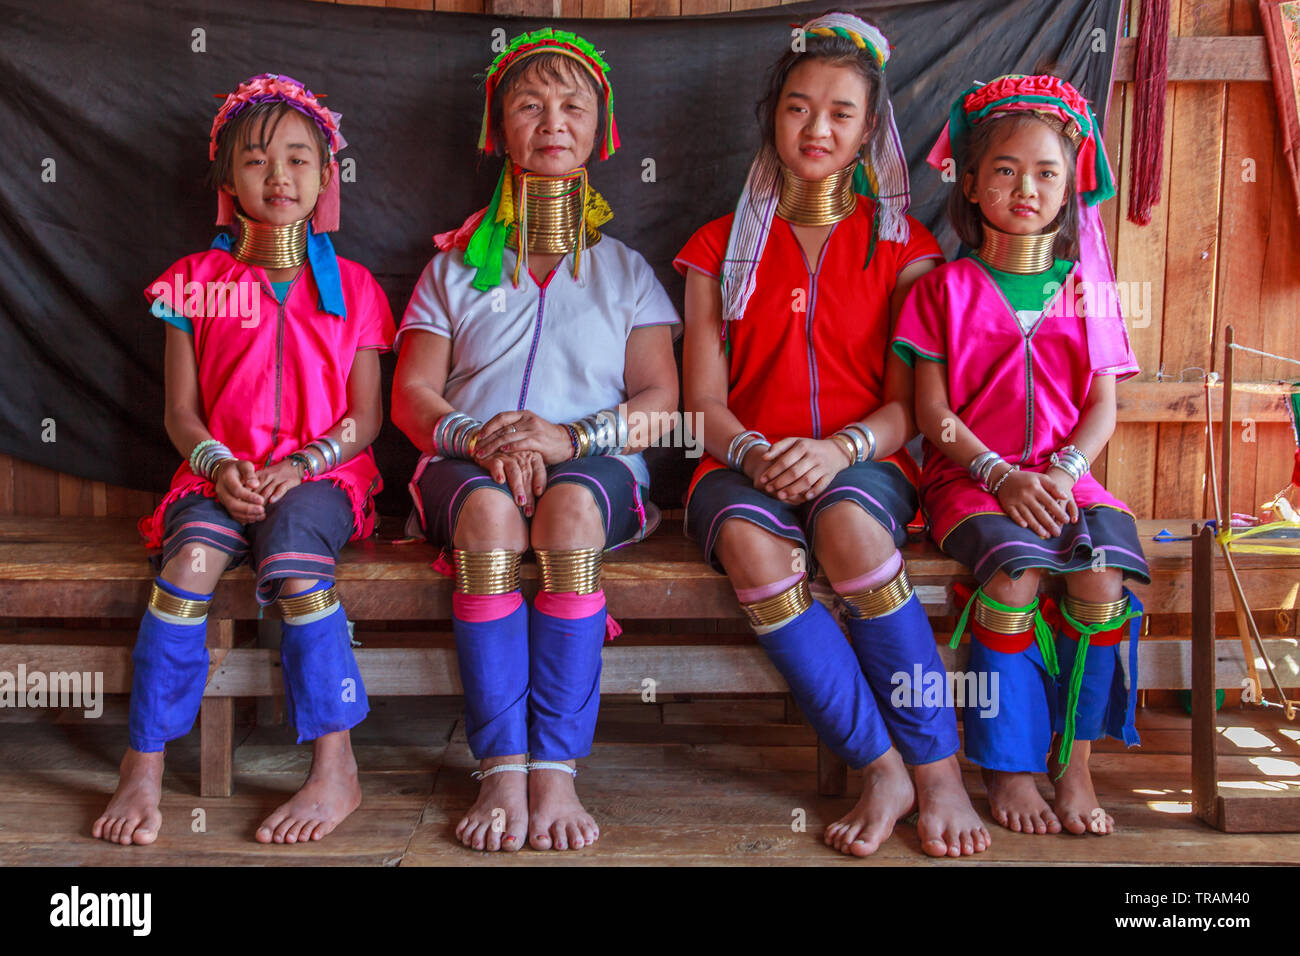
(887, 797)
(1017, 804)
(1076, 800)
(949, 825)
(557, 819)
(132, 815)
(331, 792)
(499, 818)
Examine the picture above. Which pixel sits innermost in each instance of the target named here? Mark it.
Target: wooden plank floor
(679, 783)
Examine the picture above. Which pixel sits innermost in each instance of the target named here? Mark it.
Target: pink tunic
(274, 377)
(1022, 394)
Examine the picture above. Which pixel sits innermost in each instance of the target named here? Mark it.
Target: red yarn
(1151, 77)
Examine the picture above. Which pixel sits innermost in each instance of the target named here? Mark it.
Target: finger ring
(513, 429)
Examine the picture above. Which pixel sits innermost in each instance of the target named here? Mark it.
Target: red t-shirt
(808, 356)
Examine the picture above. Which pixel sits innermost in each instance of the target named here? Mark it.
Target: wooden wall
(1222, 248)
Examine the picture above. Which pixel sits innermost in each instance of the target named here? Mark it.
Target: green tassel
(486, 248)
(1086, 631)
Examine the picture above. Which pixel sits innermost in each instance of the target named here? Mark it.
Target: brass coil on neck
(817, 202)
(297, 605)
(486, 572)
(176, 606)
(791, 602)
(564, 571)
(1020, 255)
(268, 246)
(550, 210)
(878, 602)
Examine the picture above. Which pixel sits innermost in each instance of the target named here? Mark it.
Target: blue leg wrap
(1107, 706)
(891, 651)
(323, 689)
(1015, 733)
(827, 683)
(493, 659)
(564, 700)
(170, 671)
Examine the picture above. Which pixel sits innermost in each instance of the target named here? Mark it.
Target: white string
(1280, 358)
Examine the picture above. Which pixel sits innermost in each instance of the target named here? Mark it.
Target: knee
(753, 556)
(567, 518)
(293, 586)
(1018, 591)
(196, 568)
(849, 541)
(1095, 585)
(488, 521)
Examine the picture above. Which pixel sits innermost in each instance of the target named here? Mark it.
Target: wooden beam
(1203, 59)
(1185, 402)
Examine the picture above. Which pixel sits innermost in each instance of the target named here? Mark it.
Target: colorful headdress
(882, 176)
(484, 235)
(1055, 99)
(274, 88)
(547, 40)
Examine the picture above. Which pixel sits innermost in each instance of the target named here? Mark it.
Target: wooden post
(1205, 771)
(832, 772)
(217, 725)
(1225, 434)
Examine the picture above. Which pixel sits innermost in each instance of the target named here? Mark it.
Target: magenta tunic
(1022, 394)
(270, 387)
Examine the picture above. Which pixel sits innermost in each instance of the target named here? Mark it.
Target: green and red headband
(1043, 94)
(547, 40)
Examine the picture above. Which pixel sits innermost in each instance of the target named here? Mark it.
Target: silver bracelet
(736, 440)
(1005, 475)
(978, 464)
(754, 441)
(859, 443)
(205, 459)
(868, 436)
(453, 434)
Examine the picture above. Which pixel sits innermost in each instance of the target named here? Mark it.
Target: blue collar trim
(324, 267)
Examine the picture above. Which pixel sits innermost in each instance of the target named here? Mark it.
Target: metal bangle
(1076, 450)
(734, 446)
(869, 437)
(846, 445)
(748, 445)
(978, 462)
(1005, 475)
(854, 437)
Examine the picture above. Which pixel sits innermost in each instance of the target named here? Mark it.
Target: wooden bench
(96, 568)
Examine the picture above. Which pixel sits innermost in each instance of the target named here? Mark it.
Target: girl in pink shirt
(1017, 347)
(273, 395)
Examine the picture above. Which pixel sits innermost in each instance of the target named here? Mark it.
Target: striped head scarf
(881, 176)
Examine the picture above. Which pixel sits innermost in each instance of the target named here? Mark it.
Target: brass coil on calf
(877, 602)
(791, 602)
(486, 572)
(564, 571)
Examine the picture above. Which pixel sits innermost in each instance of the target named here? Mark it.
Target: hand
(275, 480)
(235, 483)
(796, 469)
(524, 431)
(1065, 484)
(1034, 501)
(523, 471)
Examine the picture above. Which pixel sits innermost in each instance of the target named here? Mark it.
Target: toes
(541, 840)
(281, 829)
(291, 835)
(574, 836)
(558, 840)
(97, 828)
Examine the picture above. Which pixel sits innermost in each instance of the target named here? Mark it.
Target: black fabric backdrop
(120, 101)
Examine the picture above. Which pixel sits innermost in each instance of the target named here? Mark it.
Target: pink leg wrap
(764, 591)
(480, 608)
(872, 579)
(569, 605)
